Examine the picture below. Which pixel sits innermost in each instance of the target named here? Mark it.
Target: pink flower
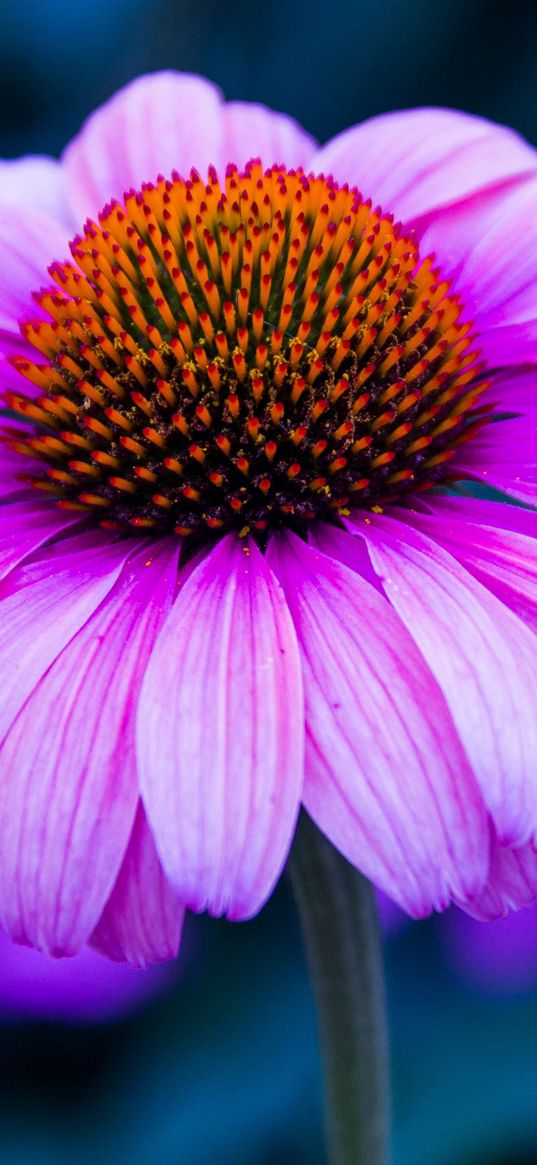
(230, 594)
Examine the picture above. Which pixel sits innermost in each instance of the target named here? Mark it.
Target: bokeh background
(215, 1059)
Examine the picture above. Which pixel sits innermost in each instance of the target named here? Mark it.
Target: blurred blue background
(219, 1062)
(328, 65)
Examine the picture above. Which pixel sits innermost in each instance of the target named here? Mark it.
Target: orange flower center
(247, 354)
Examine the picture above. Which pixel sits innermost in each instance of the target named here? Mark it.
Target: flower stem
(341, 931)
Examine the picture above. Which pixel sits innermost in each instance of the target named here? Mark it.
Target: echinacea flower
(241, 566)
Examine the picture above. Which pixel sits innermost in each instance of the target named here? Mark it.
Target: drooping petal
(483, 657)
(44, 603)
(496, 542)
(386, 777)
(503, 455)
(180, 116)
(143, 918)
(25, 525)
(68, 789)
(415, 161)
(220, 734)
(477, 511)
(36, 183)
(185, 123)
(511, 884)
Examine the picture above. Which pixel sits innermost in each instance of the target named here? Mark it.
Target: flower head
(242, 569)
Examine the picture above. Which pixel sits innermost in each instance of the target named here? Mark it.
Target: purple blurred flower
(84, 989)
(500, 957)
(261, 363)
(392, 918)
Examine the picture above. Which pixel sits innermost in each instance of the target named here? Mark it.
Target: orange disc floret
(217, 350)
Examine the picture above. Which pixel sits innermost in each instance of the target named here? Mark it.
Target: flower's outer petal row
(515, 390)
(44, 603)
(477, 510)
(36, 223)
(26, 525)
(153, 125)
(483, 657)
(171, 121)
(143, 918)
(352, 552)
(496, 542)
(416, 161)
(504, 456)
(511, 344)
(28, 242)
(386, 777)
(66, 818)
(488, 246)
(221, 734)
(512, 882)
(250, 130)
(37, 183)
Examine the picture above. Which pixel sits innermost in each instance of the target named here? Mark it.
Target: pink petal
(496, 542)
(504, 455)
(252, 131)
(478, 511)
(489, 244)
(44, 603)
(512, 882)
(220, 734)
(511, 344)
(25, 525)
(415, 161)
(68, 790)
(180, 116)
(36, 183)
(185, 123)
(483, 657)
(29, 241)
(386, 777)
(515, 391)
(143, 918)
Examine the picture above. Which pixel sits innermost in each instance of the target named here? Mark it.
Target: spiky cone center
(244, 355)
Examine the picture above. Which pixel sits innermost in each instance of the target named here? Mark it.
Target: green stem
(339, 921)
